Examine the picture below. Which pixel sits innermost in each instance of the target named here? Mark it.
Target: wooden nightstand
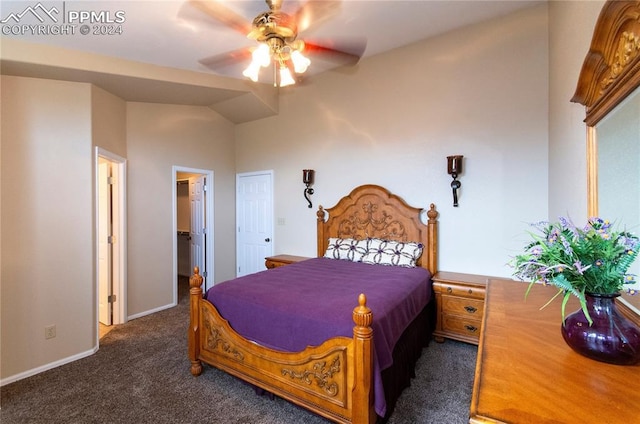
(282, 260)
(460, 306)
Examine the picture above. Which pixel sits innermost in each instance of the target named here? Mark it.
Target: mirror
(608, 87)
(618, 165)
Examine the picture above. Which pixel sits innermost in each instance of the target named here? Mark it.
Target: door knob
(267, 239)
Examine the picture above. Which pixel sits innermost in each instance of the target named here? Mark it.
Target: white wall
(481, 92)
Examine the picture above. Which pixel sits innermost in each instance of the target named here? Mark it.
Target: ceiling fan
(276, 33)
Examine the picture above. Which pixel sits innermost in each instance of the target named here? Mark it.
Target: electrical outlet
(50, 331)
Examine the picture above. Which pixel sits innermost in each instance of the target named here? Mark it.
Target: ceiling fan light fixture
(276, 34)
(285, 77)
(252, 72)
(300, 62)
(261, 55)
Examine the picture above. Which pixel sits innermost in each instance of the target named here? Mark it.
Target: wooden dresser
(281, 260)
(460, 305)
(526, 373)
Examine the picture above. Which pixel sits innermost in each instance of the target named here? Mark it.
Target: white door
(198, 230)
(254, 219)
(105, 254)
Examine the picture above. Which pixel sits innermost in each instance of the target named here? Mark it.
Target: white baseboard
(47, 367)
(69, 359)
(152, 311)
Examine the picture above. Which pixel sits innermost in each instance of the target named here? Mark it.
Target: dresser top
(526, 373)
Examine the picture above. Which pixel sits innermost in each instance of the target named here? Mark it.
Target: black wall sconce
(454, 167)
(307, 179)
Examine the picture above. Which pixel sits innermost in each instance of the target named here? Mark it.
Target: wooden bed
(333, 379)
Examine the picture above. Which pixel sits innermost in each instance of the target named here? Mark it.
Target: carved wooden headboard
(372, 211)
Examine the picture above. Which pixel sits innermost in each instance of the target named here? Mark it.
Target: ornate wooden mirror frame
(610, 73)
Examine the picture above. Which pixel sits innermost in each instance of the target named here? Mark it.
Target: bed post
(195, 296)
(432, 237)
(362, 407)
(321, 236)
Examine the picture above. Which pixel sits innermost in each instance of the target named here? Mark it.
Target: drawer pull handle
(471, 328)
(449, 290)
(470, 309)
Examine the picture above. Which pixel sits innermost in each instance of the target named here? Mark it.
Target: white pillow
(396, 253)
(346, 249)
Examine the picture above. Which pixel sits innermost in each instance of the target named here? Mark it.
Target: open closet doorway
(111, 240)
(193, 226)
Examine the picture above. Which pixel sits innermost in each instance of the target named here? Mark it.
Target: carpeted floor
(141, 374)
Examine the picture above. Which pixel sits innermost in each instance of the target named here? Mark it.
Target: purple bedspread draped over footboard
(303, 304)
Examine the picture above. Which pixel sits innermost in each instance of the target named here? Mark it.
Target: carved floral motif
(628, 49)
(320, 373)
(373, 224)
(214, 339)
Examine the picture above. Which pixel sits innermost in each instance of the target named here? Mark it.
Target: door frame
(209, 215)
(119, 265)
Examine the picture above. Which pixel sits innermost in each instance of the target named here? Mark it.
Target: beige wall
(49, 129)
(158, 138)
(571, 26)
(109, 121)
(481, 92)
(47, 223)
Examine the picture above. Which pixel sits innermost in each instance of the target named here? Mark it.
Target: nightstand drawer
(462, 306)
(452, 289)
(461, 325)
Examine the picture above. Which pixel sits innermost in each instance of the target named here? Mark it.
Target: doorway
(110, 180)
(193, 226)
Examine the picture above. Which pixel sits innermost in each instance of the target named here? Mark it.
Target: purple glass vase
(612, 338)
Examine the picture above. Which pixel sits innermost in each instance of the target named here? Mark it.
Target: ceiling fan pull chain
(275, 74)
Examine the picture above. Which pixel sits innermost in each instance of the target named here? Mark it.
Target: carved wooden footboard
(333, 380)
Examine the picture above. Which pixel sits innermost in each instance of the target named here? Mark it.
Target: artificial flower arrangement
(593, 259)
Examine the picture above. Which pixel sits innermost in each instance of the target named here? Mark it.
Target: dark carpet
(141, 374)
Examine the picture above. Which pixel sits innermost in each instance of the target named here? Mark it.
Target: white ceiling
(170, 34)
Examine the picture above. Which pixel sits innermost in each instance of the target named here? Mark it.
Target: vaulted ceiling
(151, 50)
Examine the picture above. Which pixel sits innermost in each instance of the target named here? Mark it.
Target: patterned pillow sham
(346, 249)
(395, 253)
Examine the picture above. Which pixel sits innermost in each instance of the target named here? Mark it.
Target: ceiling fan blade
(313, 13)
(219, 61)
(345, 53)
(215, 10)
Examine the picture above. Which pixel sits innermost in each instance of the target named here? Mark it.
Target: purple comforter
(303, 304)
